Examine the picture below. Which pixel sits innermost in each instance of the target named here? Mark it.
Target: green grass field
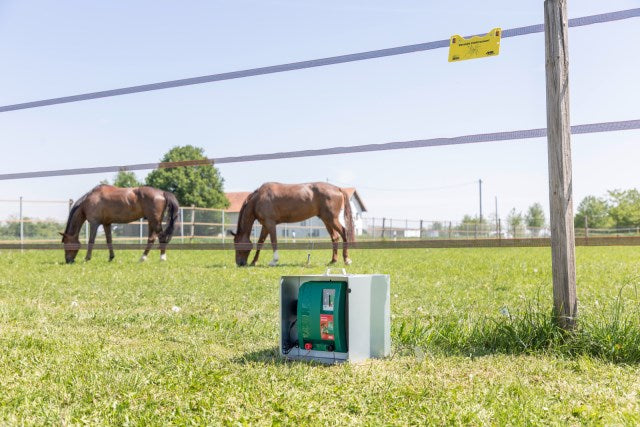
(472, 342)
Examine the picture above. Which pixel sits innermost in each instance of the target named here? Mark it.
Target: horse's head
(243, 246)
(71, 247)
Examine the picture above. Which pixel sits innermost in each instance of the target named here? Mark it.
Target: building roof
(352, 192)
(237, 198)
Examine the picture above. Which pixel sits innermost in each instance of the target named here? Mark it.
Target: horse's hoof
(163, 257)
(333, 261)
(143, 258)
(87, 259)
(347, 261)
(111, 258)
(273, 263)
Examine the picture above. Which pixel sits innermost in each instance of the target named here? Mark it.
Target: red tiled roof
(236, 199)
(351, 192)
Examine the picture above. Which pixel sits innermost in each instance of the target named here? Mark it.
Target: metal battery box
(309, 303)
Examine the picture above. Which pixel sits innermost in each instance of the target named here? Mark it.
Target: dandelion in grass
(176, 309)
(505, 311)
(74, 303)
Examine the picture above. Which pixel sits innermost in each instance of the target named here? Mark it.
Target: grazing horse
(274, 203)
(106, 205)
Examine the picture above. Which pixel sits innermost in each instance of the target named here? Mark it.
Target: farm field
(194, 340)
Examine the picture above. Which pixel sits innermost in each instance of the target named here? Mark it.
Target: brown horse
(106, 205)
(274, 203)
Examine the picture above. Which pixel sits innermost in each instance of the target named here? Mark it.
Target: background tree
(595, 210)
(201, 186)
(468, 219)
(515, 221)
(624, 209)
(47, 229)
(535, 218)
(126, 179)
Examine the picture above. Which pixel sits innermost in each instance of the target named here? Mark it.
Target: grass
(473, 342)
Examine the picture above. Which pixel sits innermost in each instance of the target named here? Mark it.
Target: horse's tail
(348, 217)
(173, 208)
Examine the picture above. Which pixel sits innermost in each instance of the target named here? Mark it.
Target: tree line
(618, 209)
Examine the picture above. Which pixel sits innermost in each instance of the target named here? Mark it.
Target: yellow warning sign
(461, 49)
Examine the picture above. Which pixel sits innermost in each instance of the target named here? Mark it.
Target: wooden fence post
(383, 220)
(556, 32)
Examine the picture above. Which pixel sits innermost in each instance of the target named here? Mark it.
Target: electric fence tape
(401, 50)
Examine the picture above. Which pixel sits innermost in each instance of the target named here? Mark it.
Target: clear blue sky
(51, 49)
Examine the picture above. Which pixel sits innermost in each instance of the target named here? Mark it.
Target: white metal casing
(368, 316)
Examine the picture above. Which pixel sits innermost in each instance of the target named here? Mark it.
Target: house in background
(313, 227)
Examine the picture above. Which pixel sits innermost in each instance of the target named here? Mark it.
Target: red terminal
(308, 346)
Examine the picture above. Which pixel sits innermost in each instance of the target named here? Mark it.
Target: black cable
(291, 347)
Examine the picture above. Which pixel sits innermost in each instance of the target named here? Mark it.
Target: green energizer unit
(321, 316)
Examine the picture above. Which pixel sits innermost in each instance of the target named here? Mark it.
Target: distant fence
(40, 221)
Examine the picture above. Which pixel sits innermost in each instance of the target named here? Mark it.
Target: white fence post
(181, 224)
(193, 222)
(21, 227)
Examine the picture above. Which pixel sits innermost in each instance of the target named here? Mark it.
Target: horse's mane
(76, 206)
(242, 209)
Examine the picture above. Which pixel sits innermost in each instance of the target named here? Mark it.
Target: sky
(51, 49)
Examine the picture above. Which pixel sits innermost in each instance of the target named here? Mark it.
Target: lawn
(194, 341)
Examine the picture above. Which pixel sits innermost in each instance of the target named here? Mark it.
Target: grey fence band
(419, 143)
(401, 50)
(363, 244)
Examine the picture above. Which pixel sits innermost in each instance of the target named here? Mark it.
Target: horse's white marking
(163, 257)
(143, 258)
(347, 261)
(275, 259)
(341, 219)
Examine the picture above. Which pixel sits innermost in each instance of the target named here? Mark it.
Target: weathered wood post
(556, 31)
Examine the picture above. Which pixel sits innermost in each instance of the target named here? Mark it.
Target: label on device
(328, 299)
(326, 327)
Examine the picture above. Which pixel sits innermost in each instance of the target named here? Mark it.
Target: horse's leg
(333, 234)
(343, 233)
(271, 229)
(261, 239)
(93, 230)
(107, 234)
(163, 241)
(150, 240)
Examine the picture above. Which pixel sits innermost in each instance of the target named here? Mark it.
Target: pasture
(194, 340)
